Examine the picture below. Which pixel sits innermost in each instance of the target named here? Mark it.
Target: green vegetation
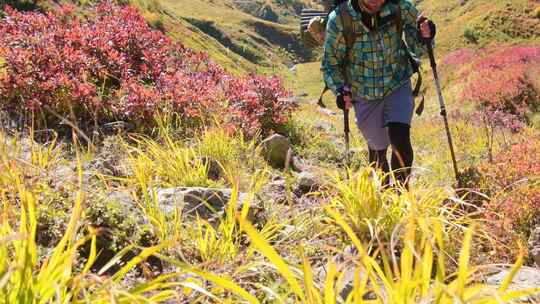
(508, 21)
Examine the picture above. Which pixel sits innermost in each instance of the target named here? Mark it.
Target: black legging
(402, 153)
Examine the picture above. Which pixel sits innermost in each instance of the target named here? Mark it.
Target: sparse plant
(471, 35)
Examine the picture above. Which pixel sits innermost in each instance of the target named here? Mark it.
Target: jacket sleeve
(412, 37)
(334, 52)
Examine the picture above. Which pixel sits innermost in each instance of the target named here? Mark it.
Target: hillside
(476, 23)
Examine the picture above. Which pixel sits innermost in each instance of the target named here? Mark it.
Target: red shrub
(113, 66)
(459, 57)
(499, 87)
(513, 179)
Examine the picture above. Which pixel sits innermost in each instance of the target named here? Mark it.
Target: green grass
(491, 22)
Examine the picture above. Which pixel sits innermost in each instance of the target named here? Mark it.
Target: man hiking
(372, 73)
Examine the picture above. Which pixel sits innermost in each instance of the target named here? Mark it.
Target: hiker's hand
(426, 28)
(343, 99)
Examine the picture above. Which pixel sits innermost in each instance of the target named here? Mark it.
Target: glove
(340, 97)
(433, 28)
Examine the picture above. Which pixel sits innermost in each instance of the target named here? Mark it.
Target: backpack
(313, 28)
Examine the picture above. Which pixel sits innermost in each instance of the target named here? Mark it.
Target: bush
(459, 57)
(113, 66)
(470, 34)
(513, 178)
(501, 89)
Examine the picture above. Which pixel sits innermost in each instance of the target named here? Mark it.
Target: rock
(276, 192)
(348, 270)
(324, 126)
(298, 164)
(275, 149)
(118, 127)
(125, 200)
(534, 246)
(207, 203)
(526, 277)
(327, 111)
(215, 171)
(267, 13)
(308, 181)
(65, 177)
(535, 254)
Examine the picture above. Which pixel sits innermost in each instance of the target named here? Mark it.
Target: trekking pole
(346, 134)
(443, 107)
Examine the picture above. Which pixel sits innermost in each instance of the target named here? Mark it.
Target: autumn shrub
(500, 89)
(460, 56)
(113, 66)
(513, 179)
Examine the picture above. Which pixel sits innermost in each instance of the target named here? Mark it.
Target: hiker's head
(372, 6)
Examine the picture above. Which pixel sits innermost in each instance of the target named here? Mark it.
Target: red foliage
(459, 57)
(113, 66)
(513, 175)
(499, 86)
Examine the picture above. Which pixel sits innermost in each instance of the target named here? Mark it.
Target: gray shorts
(372, 116)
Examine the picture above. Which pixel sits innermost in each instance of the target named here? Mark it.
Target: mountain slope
(476, 23)
(233, 37)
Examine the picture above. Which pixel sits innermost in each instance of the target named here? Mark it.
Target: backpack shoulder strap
(349, 34)
(399, 21)
(348, 27)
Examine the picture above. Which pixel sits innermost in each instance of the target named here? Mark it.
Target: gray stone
(327, 111)
(118, 126)
(64, 177)
(123, 198)
(207, 203)
(214, 169)
(534, 246)
(275, 149)
(348, 270)
(308, 181)
(276, 192)
(298, 164)
(526, 277)
(535, 254)
(324, 126)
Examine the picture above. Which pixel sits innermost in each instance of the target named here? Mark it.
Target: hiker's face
(374, 5)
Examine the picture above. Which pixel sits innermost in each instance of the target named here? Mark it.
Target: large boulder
(207, 203)
(275, 149)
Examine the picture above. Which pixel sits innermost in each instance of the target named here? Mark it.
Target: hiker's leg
(402, 151)
(377, 158)
(370, 121)
(399, 109)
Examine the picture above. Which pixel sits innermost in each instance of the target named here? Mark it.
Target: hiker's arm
(334, 50)
(412, 36)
